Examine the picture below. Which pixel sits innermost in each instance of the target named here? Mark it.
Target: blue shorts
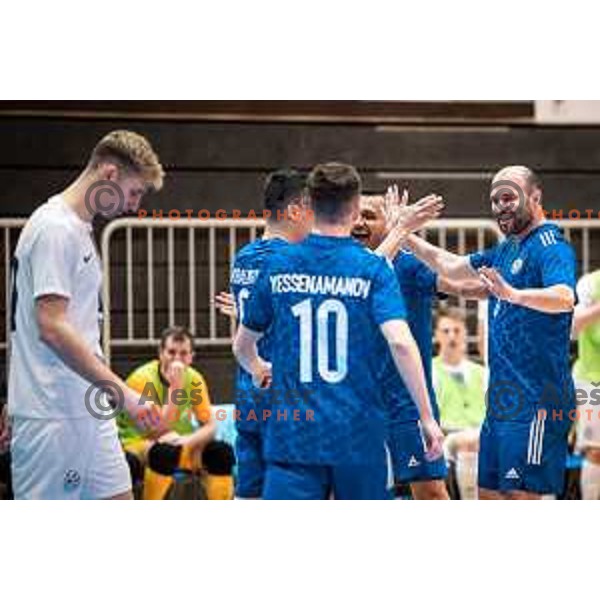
(250, 464)
(319, 482)
(528, 456)
(407, 449)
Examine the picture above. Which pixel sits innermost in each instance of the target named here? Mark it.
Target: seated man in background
(460, 389)
(171, 382)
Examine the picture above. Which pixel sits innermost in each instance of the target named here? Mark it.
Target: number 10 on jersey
(311, 320)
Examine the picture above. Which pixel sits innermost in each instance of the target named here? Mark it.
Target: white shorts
(588, 424)
(67, 459)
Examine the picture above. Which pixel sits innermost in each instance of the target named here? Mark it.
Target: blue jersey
(529, 349)
(323, 301)
(419, 288)
(246, 267)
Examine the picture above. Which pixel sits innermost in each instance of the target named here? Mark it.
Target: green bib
(587, 365)
(461, 403)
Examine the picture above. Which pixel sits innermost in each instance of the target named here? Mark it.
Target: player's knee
(164, 458)
(430, 490)
(522, 495)
(487, 494)
(218, 458)
(593, 455)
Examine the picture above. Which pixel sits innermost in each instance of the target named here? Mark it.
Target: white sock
(590, 481)
(466, 475)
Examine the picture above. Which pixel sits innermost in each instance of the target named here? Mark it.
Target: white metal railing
(149, 334)
(459, 235)
(9, 233)
(470, 235)
(584, 235)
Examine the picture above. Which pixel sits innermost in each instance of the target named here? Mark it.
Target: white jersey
(55, 254)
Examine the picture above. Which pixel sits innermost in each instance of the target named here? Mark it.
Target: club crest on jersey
(516, 266)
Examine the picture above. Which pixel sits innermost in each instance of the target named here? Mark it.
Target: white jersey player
(64, 442)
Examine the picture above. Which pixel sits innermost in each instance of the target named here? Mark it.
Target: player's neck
(452, 359)
(332, 229)
(537, 221)
(274, 232)
(74, 198)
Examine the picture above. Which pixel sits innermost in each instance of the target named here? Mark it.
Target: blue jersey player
(331, 308)
(419, 285)
(289, 222)
(531, 277)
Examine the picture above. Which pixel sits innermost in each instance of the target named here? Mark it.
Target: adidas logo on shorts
(413, 462)
(512, 474)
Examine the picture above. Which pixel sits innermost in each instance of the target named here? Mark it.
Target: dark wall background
(217, 153)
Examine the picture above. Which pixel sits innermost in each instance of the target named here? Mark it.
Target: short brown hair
(131, 152)
(178, 333)
(451, 312)
(332, 186)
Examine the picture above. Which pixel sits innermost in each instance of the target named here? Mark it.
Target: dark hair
(332, 186)
(281, 187)
(451, 312)
(178, 333)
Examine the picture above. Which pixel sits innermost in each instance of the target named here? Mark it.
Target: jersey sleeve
(558, 266)
(258, 308)
(426, 278)
(415, 274)
(485, 258)
(387, 301)
(53, 260)
(137, 381)
(201, 397)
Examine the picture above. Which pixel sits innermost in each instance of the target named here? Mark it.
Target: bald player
(531, 279)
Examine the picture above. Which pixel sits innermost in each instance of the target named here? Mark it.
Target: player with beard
(419, 285)
(531, 279)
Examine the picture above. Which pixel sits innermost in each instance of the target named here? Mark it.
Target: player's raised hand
(415, 216)
(434, 439)
(226, 305)
(393, 205)
(496, 284)
(4, 429)
(262, 375)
